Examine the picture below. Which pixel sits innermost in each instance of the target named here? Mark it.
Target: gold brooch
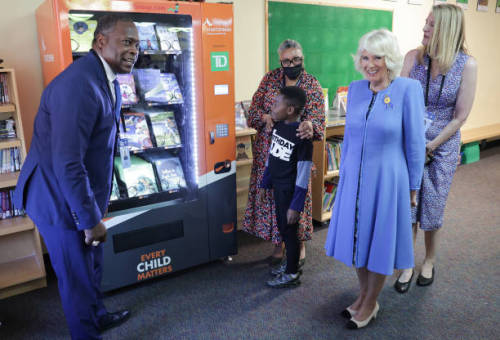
(387, 101)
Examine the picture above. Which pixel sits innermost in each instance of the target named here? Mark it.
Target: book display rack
(21, 262)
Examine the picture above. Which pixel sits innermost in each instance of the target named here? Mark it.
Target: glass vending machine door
(156, 152)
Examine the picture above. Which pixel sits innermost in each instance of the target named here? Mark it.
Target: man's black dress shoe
(111, 320)
(424, 281)
(402, 287)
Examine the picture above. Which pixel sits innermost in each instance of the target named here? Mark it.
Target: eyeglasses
(294, 60)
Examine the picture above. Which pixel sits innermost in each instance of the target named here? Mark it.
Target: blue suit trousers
(78, 268)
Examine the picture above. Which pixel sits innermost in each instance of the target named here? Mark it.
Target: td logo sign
(219, 61)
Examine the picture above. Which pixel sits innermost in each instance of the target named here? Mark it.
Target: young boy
(287, 172)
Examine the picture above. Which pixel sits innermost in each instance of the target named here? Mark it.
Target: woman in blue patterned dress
(381, 169)
(448, 77)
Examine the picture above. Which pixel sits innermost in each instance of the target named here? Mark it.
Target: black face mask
(293, 72)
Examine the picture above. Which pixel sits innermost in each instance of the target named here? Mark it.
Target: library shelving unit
(21, 262)
(334, 127)
(243, 170)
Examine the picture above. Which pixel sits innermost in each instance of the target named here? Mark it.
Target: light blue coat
(382, 159)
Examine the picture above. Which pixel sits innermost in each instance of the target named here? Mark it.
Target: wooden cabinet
(333, 128)
(21, 261)
(243, 170)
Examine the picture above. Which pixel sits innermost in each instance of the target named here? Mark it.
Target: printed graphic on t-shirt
(281, 148)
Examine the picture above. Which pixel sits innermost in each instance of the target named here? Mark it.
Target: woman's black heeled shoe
(348, 313)
(403, 287)
(424, 281)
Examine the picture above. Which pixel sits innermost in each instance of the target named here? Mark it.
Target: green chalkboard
(329, 36)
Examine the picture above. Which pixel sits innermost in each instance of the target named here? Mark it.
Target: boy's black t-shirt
(289, 162)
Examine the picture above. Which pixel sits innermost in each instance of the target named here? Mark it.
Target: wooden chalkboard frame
(316, 3)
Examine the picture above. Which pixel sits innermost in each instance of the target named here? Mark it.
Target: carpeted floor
(230, 301)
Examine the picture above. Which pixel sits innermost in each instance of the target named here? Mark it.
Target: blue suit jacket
(66, 178)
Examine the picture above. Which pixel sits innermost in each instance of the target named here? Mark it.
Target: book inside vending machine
(173, 199)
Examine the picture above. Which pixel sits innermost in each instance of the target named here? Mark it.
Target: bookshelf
(334, 127)
(21, 261)
(243, 170)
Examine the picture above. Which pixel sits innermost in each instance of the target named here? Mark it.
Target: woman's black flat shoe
(403, 287)
(424, 281)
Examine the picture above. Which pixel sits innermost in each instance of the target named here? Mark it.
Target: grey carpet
(230, 301)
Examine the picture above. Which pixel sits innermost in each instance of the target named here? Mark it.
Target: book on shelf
(139, 177)
(169, 41)
(10, 160)
(4, 89)
(170, 173)
(333, 148)
(127, 88)
(81, 31)
(7, 208)
(7, 128)
(165, 130)
(136, 131)
(148, 41)
(241, 114)
(329, 191)
(158, 87)
(244, 148)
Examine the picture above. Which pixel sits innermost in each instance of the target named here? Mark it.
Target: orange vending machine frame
(186, 233)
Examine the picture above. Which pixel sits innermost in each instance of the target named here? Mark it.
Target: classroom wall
(482, 32)
(20, 49)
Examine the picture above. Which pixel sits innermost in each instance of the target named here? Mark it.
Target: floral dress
(438, 174)
(260, 216)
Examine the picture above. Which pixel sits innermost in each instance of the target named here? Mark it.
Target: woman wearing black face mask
(260, 219)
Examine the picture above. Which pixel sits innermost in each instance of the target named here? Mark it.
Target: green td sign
(219, 61)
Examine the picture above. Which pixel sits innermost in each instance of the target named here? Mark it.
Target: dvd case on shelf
(127, 89)
(165, 130)
(139, 177)
(170, 174)
(169, 41)
(136, 131)
(158, 87)
(148, 40)
(81, 30)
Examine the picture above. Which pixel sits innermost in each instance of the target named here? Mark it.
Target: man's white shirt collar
(109, 72)
(110, 75)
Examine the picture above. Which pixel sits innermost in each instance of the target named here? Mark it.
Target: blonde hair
(448, 37)
(381, 43)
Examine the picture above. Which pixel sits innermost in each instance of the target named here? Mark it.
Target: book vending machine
(173, 203)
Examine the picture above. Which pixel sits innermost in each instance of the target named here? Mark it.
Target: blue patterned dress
(438, 174)
(382, 159)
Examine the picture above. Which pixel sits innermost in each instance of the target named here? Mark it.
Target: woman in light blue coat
(381, 170)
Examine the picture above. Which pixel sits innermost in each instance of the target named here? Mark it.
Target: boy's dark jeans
(283, 194)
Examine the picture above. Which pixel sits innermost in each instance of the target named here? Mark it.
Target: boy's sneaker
(280, 269)
(284, 280)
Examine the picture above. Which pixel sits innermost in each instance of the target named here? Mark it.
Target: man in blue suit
(65, 182)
